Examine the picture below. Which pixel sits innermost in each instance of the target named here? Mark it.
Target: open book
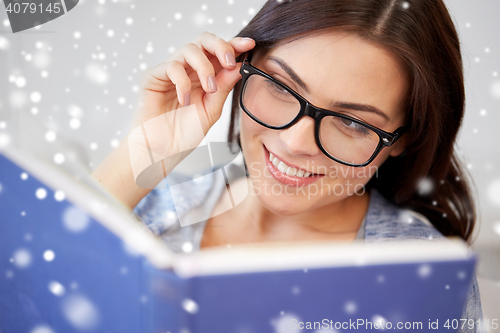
(72, 259)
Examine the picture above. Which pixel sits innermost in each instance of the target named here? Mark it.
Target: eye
(276, 87)
(350, 123)
(353, 126)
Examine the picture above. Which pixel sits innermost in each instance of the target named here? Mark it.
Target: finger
(226, 79)
(177, 74)
(242, 44)
(161, 77)
(218, 47)
(193, 56)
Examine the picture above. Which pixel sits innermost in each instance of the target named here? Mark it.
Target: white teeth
(291, 171)
(282, 167)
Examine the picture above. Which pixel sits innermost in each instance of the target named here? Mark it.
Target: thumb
(226, 79)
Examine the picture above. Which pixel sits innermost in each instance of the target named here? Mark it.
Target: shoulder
(386, 221)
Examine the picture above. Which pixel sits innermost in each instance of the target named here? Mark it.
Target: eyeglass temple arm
(248, 56)
(397, 134)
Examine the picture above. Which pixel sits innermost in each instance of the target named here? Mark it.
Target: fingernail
(187, 99)
(231, 61)
(246, 39)
(212, 85)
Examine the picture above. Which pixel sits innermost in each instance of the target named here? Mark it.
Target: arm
(198, 77)
(115, 175)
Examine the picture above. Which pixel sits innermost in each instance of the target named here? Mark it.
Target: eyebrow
(290, 72)
(343, 105)
(360, 107)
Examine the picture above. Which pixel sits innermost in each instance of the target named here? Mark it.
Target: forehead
(341, 66)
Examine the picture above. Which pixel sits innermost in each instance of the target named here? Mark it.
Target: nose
(299, 138)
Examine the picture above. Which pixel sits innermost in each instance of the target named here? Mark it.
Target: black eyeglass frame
(306, 108)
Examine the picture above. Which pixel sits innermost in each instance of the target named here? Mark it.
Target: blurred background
(78, 76)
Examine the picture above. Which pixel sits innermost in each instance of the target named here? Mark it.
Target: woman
(349, 110)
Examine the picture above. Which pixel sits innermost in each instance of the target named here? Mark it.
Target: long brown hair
(422, 34)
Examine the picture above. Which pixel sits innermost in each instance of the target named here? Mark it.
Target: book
(73, 259)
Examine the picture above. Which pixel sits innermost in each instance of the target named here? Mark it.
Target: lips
(288, 179)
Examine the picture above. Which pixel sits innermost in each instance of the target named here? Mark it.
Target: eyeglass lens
(342, 138)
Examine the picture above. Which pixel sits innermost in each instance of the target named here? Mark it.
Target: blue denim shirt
(383, 221)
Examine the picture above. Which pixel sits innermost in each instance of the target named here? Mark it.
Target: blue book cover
(73, 260)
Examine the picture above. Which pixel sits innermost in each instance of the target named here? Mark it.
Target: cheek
(248, 125)
(249, 129)
(251, 145)
(354, 177)
(363, 175)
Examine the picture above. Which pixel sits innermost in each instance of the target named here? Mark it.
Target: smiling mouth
(289, 170)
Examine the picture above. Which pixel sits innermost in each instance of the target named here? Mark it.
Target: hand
(201, 73)
(180, 100)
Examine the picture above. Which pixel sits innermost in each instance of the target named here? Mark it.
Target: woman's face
(328, 68)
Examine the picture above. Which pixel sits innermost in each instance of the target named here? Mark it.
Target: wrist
(159, 144)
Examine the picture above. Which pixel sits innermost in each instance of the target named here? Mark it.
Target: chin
(282, 204)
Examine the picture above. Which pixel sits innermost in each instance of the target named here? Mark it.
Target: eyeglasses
(344, 139)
